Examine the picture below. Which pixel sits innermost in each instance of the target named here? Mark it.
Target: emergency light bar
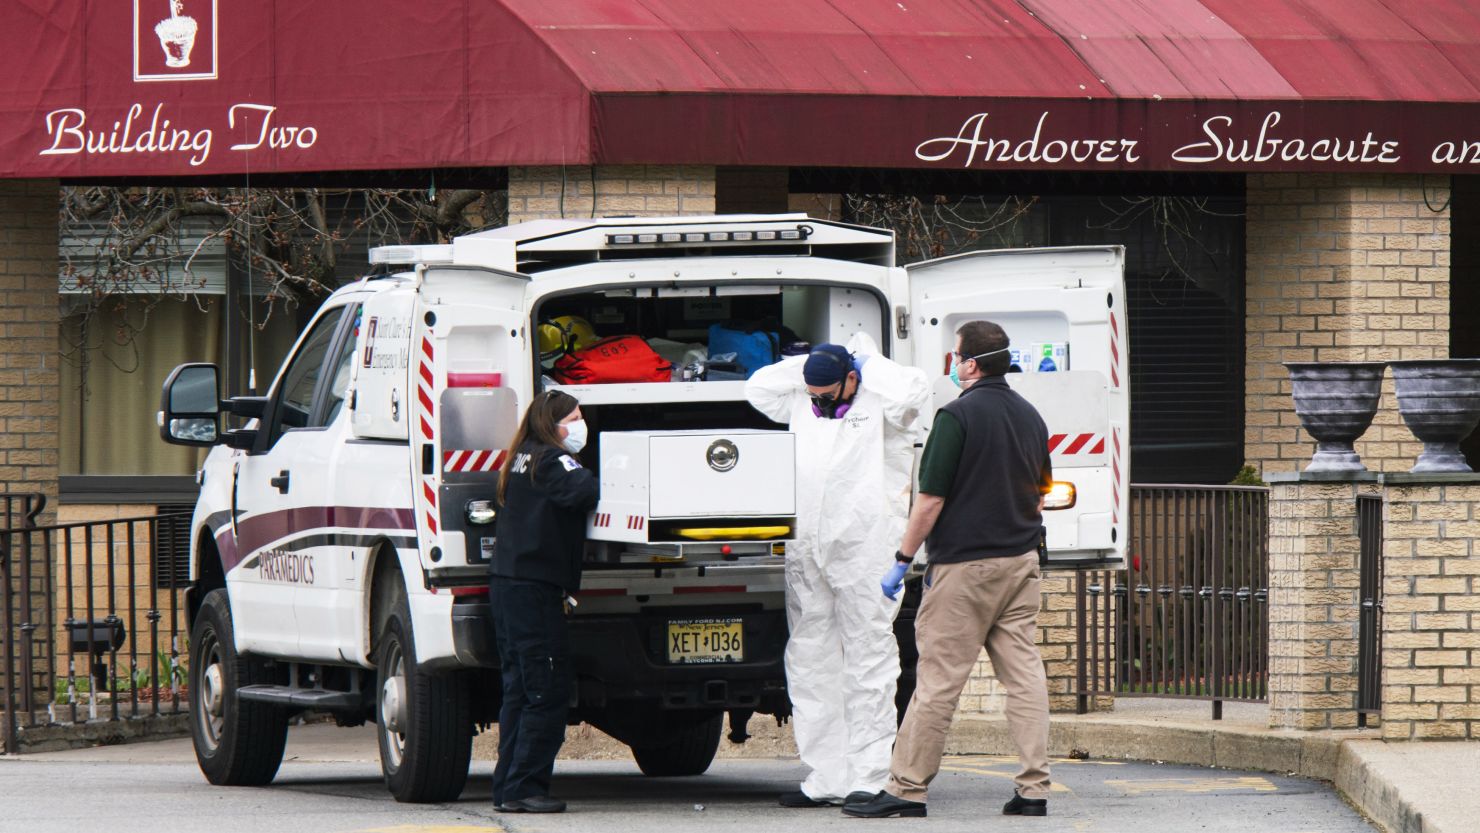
(801, 232)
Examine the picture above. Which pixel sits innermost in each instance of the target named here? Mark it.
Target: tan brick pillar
(1314, 580)
(639, 190)
(1431, 607)
(29, 355)
(29, 338)
(1341, 267)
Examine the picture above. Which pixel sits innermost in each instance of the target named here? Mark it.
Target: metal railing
(1189, 617)
(89, 594)
(1369, 616)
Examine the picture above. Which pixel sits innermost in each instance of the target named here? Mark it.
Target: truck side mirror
(190, 406)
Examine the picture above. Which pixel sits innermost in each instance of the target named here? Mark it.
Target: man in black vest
(983, 476)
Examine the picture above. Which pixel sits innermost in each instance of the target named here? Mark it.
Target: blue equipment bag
(754, 347)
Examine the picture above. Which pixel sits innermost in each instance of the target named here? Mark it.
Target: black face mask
(830, 406)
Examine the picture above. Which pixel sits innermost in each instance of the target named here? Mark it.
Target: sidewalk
(1408, 787)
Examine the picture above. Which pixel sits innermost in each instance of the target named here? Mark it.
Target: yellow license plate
(700, 641)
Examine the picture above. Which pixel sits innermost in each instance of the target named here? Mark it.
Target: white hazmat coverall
(853, 494)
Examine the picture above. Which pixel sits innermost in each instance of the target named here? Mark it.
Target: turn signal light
(1061, 495)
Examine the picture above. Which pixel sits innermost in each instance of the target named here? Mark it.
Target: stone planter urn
(1440, 402)
(1335, 401)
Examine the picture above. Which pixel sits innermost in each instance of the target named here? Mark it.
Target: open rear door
(1064, 312)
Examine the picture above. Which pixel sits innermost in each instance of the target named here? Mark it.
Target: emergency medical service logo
(174, 40)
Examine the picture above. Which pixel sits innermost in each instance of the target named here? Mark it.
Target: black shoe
(858, 797)
(800, 800)
(885, 806)
(533, 804)
(1020, 806)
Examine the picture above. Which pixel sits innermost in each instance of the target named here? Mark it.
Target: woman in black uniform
(544, 495)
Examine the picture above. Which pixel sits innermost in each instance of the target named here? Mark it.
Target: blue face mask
(956, 364)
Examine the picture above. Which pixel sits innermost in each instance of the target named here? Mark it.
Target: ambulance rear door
(469, 363)
(1064, 313)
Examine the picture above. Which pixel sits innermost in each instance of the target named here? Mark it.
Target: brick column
(640, 190)
(29, 354)
(1341, 267)
(29, 338)
(1431, 607)
(1314, 580)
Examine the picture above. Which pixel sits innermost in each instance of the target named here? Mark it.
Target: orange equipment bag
(615, 359)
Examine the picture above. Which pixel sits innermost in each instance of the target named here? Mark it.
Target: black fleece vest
(992, 510)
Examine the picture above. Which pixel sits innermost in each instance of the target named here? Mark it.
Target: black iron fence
(93, 618)
(1189, 617)
(1369, 617)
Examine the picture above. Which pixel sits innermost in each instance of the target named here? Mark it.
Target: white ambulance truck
(341, 541)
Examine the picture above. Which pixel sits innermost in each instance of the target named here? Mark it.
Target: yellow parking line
(969, 770)
(1195, 785)
(1010, 759)
(433, 828)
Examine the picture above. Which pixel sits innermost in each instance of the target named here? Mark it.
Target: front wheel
(237, 743)
(423, 720)
(686, 751)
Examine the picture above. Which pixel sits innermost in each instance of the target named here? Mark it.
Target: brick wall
(640, 190)
(1341, 267)
(29, 406)
(1314, 579)
(29, 343)
(1431, 612)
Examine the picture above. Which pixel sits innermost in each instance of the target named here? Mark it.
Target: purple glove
(894, 579)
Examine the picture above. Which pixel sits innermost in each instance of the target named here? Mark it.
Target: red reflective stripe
(430, 493)
(470, 591)
(426, 428)
(1099, 447)
(431, 523)
(477, 463)
(475, 380)
(1079, 442)
(426, 347)
(426, 400)
(716, 588)
(1114, 376)
(1053, 442)
(426, 373)
(498, 462)
(453, 460)
(1115, 438)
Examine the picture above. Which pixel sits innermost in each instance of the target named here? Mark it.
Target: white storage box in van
(716, 479)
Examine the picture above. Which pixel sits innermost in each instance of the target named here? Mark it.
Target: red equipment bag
(615, 359)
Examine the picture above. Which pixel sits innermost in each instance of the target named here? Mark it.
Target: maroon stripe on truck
(257, 531)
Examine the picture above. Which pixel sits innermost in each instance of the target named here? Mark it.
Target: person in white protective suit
(853, 412)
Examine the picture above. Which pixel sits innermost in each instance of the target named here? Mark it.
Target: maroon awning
(182, 87)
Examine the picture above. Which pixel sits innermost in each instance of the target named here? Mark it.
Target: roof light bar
(801, 232)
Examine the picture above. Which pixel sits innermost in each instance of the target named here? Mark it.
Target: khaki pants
(994, 603)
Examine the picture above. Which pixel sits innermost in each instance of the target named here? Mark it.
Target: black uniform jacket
(541, 529)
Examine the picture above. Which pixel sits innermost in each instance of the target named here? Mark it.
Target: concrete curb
(1303, 753)
(1348, 760)
(103, 733)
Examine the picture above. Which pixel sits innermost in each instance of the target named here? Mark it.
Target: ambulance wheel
(687, 751)
(423, 720)
(238, 743)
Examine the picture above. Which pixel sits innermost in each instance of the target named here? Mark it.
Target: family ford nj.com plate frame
(705, 641)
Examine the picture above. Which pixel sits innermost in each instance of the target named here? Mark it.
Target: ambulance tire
(689, 751)
(426, 762)
(238, 743)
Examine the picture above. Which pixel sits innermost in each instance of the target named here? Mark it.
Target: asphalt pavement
(331, 784)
